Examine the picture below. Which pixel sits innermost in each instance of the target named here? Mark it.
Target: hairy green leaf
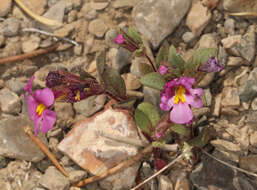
(142, 121)
(153, 80)
(181, 129)
(134, 35)
(150, 111)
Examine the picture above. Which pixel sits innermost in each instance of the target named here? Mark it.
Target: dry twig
(45, 150)
(242, 14)
(229, 165)
(159, 172)
(50, 34)
(38, 18)
(28, 55)
(137, 142)
(115, 169)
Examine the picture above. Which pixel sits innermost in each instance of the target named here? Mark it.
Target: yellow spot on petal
(87, 89)
(40, 108)
(180, 90)
(77, 97)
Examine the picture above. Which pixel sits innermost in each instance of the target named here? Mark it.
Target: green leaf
(100, 63)
(202, 139)
(134, 35)
(181, 129)
(203, 98)
(153, 80)
(113, 82)
(175, 59)
(161, 56)
(199, 58)
(150, 111)
(158, 144)
(126, 104)
(142, 121)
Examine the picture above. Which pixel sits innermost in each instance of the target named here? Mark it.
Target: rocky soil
(231, 95)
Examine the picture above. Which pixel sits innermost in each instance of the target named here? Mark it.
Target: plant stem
(150, 61)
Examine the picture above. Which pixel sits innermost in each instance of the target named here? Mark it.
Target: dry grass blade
(27, 55)
(45, 150)
(137, 142)
(242, 14)
(115, 169)
(38, 18)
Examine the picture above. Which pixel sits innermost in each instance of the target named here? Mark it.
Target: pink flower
(178, 96)
(39, 103)
(162, 70)
(119, 39)
(211, 65)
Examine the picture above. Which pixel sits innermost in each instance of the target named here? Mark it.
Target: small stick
(115, 169)
(50, 34)
(27, 55)
(45, 150)
(38, 18)
(229, 165)
(159, 172)
(243, 14)
(137, 142)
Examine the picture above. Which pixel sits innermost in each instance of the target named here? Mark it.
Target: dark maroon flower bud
(53, 79)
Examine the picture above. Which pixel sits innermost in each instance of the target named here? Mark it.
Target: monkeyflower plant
(175, 79)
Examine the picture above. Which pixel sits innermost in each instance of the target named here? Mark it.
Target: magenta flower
(211, 65)
(39, 103)
(178, 96)
(119, 39)
(162, 70)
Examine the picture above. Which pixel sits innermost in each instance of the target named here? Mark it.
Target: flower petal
(194, 101)
(37, 121)
(196, 91)
(181, 113)
(167, 105)
(32, 106)
(28, 87)
(45, 96)
(49, 118)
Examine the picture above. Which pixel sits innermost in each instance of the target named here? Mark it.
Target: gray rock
(16, 85)
(89, 106)
(15, 143)
(249, 90)
(110, 36)
(188, 37)
(230, 97)
(247, 46)
(153, 18)
(145, 172)
(198, 17)
(152, 96)
(208, 96)
(139, 67)
(2, 40)
(30, 44)
(240, 5)
(164, 183)
(249, 163)
(5, 7)
(9, 101)
(252, 117)
(64, 113)
(222, 56)
(53, 179)
(11, 27)
(125, 3)
(254, 104)
(229, 26)
(202, 179)
(123, 59)
(97, 27)
(75, 176)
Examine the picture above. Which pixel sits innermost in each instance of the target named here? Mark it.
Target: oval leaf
(175, 59)
(181, 129)
(113, 82)
(161, 56)
(134, 35)
(150, 111)
(202, 139)
(153, 80)
(142, 121)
